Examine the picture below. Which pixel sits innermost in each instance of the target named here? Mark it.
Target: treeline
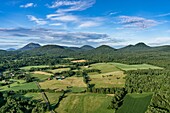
(157, 81)
(11, 104)
(117, 100)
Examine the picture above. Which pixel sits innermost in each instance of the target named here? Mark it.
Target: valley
(106, 83)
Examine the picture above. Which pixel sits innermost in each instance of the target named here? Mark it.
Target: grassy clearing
(112, 79)
(85, 103)
(62, 84)
(126, 67)
(135, 103)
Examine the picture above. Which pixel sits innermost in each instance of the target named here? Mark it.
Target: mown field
(135, 103)
(127, 67)
(85, 103)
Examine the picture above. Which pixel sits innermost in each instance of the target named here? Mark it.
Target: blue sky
(80, 22)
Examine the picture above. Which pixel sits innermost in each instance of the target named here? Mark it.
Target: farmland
(111, 75)
(135, 103)
(85, 103)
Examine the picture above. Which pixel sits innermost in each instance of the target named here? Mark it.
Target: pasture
(85, 103)
(135, 103)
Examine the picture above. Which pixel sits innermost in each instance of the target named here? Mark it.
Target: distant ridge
(86, 47)
(30, 46)
(11, 49)
(138, 47)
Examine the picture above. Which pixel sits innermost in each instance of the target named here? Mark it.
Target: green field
(104, 67)
(34, 96)
(126, 67)
(53, 97)
(85, 103)
(135, 103)
(22, 85)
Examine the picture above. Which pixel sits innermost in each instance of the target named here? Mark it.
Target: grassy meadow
(135, 103)
(85, 103)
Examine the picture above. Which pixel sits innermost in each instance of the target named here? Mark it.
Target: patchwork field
(85, 103)
(135, 103)
(62, 84)
(126, 67)
(110, 76)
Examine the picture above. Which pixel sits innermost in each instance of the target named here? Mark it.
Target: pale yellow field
(77, 61)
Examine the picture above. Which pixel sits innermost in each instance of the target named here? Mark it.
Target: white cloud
(64, 18)
(28, 5)
(72, 5)
(159, 41)
(88, 24)
(54, 36)
(113, 13)
(56, 24)
(136, 22)
(39, 21)
(163, 15)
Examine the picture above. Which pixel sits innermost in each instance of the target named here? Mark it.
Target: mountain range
(35, 47)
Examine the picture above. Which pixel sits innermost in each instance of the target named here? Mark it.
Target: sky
(116, 23)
